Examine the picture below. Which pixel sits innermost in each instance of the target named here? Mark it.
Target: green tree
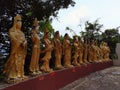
(46, 23)
(92, 30)
(111, 36)
(71, 30)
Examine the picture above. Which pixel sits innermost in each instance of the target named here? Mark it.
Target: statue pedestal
(118, 50)
(58, 79)
(117, 61)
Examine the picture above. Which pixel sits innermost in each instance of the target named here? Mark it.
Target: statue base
(57, 79)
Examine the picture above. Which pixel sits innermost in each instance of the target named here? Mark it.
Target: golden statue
(14, 67)
(102, 51)
(57, 50)
(94, 49)
(47, 51)
(75, 52)
(85, 52)
(80, 51)
(34, 63)
(98, 52)
(90, 52)
(107, 52)
(67, 47)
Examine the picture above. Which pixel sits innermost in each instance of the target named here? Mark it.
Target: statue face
(58, 36)
(47, 35)
(67, 37)
(18, 24)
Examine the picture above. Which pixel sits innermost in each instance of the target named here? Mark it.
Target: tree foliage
(111, 36)
(92, 30)
(46, 23)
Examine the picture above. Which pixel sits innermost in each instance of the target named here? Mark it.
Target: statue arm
(48, 47)
(14, 38)
(33, 38)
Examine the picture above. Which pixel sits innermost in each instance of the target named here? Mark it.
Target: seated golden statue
(67, 47)
(57, 50)
(34, 63)
(80, 60)
(14, 67)
(47, 51)
(75, 52)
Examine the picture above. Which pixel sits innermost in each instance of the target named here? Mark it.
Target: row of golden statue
(74, 54)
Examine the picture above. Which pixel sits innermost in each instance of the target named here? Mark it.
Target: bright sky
(107, 11)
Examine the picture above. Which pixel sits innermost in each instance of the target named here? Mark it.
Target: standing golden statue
(80, 44)
(67, 51)
(14, 67)
(57, 50)
(94, 50)
(34, 63)
(98, 52)
(47, 51)
(75, 51)
(107, 52)
(90, 52)
(101, 51)
(85, 52)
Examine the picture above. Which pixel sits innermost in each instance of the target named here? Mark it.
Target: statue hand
(42, 51)
(24, 44)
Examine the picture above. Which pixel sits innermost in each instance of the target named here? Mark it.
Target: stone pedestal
(117, 61)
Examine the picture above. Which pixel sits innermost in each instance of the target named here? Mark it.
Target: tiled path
(107, 79)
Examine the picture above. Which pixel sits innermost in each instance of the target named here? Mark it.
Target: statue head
(35, 25)
(46, 33)
(66, 36)
(96, 42)
(57, 35)
(35, 22)
(92, 42)
(79, 38)
(74, 38)
(17, 22)
(105, 44)
(101, 43)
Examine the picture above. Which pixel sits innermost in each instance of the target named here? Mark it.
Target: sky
(106, 11)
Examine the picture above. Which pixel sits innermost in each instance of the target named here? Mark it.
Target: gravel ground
(107, 79)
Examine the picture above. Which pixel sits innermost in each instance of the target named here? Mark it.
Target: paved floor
(107, 79)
